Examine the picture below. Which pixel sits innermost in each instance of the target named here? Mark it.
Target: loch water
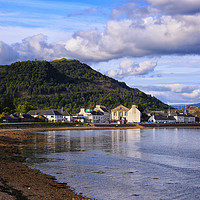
(140, 164)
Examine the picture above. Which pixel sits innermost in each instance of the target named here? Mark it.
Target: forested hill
(70, 84)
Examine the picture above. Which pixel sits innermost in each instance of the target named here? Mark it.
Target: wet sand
(17, 181)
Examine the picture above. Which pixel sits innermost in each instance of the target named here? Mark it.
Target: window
(114, 113)
(120, 113)
(125, 113)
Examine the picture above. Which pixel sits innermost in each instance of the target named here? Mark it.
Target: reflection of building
(123, 113)
(106, 140)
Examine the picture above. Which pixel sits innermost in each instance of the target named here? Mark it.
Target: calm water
(122, 164)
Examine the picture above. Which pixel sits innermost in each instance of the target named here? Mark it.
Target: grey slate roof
(104, 109)
(162, 117)
(49, 112)
(97, 113)
(25, 116)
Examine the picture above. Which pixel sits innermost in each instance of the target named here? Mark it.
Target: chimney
(134, 106)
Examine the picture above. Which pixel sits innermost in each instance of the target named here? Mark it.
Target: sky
(152, 45)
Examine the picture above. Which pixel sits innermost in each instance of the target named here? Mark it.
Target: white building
(134, 115)
(105, 112)
(92, 116)
(56, 115)
(162, 119)
(181, 117)
(121, 113)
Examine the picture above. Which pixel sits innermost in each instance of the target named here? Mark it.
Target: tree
(24, 107)
(7, 104)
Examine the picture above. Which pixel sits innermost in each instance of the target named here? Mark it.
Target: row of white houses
(173, 116)
(119, 114)
(99, 115)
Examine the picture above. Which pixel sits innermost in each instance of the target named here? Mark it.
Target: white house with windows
(92, 116)
(105, 112)
(121, 113)
(162, 118)
(56, 115)
(173, 116)
(181, 117)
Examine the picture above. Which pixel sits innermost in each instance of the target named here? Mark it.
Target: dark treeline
(69, 84)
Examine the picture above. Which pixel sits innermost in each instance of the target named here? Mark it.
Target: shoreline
(18, 181)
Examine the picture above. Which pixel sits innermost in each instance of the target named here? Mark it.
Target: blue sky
(151, 45)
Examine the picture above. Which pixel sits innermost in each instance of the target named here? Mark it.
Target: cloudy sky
(153, 45)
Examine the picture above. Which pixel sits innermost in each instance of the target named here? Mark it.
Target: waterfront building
(122, 113)
(54, 115)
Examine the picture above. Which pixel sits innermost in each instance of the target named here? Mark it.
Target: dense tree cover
(69, 84)
(6, 105)
(24, 107)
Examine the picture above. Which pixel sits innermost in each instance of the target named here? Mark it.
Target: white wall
(134, 115)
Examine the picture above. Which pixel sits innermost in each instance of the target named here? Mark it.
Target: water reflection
(132, 164)
(110, 141)
(150, 144)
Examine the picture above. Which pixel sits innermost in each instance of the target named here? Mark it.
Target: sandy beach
(17, 181)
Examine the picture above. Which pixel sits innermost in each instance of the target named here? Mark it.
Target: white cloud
(193, 94)
(7, 54)
(13, 34)
(133, 10)
(129, 68)
(37, 47)
(177, 88)
(174, 93)
(177, 7)
(153, 36)
(150, 36)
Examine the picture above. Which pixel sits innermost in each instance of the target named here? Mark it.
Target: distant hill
(183, 106)
(196, 105)
(70, 84)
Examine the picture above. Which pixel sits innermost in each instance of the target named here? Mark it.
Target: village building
(195, 111)
(181, 117)
(134, 115)
(162, 118)
(9, 119)
(173, 116)
(23, 117)
(121, 113)
(92, 116)
(153, 112)
(79, 118)
(105, 112)
(56, 115)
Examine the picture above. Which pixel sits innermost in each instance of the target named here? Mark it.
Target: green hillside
(70, 84)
